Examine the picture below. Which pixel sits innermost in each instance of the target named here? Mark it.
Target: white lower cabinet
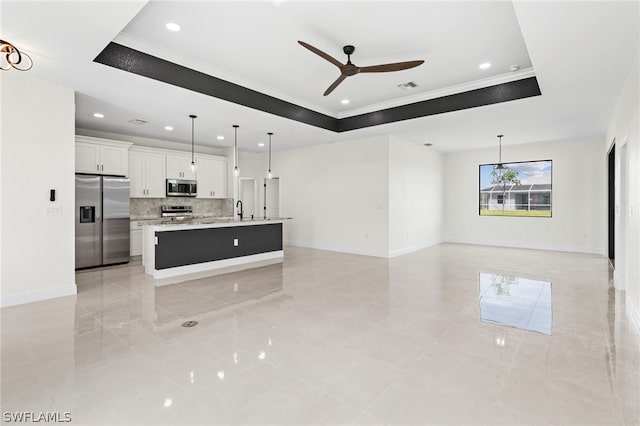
(135, 239)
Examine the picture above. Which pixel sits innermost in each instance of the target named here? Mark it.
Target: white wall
(37, 155)
(415, 196)
(578, 199)
(337, 195)
(624, 127)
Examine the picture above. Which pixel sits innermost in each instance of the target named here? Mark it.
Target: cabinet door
(135, 242)
(179, 167)
(219, 179)
(113, 160)
(87, 158)
(155, 173)
(175, 166)
(205, 167)
(186, 170)
(136, 174)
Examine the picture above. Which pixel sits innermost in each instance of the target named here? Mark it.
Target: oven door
(181, 188)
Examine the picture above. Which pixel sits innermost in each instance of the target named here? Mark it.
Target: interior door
(611, 208)
(248, 196)
(272, 197)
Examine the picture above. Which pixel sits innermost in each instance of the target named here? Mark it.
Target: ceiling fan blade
(319, 52)
(398, 66)
(335, 84)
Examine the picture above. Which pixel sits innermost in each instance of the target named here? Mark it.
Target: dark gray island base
(175, 249)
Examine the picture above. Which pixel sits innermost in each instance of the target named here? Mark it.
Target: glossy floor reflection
(515, 302)
(328, 338)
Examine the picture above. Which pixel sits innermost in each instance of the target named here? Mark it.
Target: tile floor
(328, 338)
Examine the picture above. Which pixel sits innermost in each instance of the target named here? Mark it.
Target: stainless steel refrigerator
(102, 220)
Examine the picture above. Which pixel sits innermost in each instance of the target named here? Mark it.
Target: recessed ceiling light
(220, 137)
(514, 68)
(168, 128)
(344, 101)
(172, 26)
(484, 65)
(428, 144)
(98, 115)
(261, 144)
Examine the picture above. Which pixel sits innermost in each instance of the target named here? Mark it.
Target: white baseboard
(375, 253)
(37, 295)
(572, 249)
(411, 249)
(633, 313)
(618, 283)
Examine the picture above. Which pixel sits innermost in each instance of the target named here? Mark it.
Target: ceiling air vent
(137, 121)
(408, 86)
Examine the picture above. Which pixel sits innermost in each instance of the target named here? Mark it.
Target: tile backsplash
(149, 208)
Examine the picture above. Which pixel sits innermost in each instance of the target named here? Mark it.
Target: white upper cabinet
(102, 156)
(147, 174)
(179, 167)
(212, 176)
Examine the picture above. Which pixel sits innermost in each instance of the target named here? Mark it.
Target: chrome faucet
(240, 210)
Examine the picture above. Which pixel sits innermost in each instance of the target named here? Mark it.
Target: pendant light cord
(235, 129)
(270, 134)
(193, 118)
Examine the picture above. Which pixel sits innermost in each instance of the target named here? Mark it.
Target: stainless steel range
(175, 213)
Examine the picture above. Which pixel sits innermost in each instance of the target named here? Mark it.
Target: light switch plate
(53, 210)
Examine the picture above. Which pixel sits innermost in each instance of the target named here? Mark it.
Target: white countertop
(208, 222)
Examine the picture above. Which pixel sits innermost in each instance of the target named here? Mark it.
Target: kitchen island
(174, 248)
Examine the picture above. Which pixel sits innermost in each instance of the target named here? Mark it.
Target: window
(517, 189)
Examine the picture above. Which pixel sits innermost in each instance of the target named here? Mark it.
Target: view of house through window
(517, 189)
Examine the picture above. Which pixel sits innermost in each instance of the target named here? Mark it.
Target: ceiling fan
(349, 69)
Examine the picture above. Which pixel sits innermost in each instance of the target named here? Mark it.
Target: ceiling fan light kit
(349, 69)
(13, 58)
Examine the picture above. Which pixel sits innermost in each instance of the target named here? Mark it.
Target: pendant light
(236, 170)
(500, 166)
(193, 163)
(269, 174)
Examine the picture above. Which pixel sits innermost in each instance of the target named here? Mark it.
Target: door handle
(102, 167)
(98, 167)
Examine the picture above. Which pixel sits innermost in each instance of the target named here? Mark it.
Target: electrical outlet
(235, 242)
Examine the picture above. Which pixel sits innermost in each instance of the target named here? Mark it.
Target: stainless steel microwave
(181, 188)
